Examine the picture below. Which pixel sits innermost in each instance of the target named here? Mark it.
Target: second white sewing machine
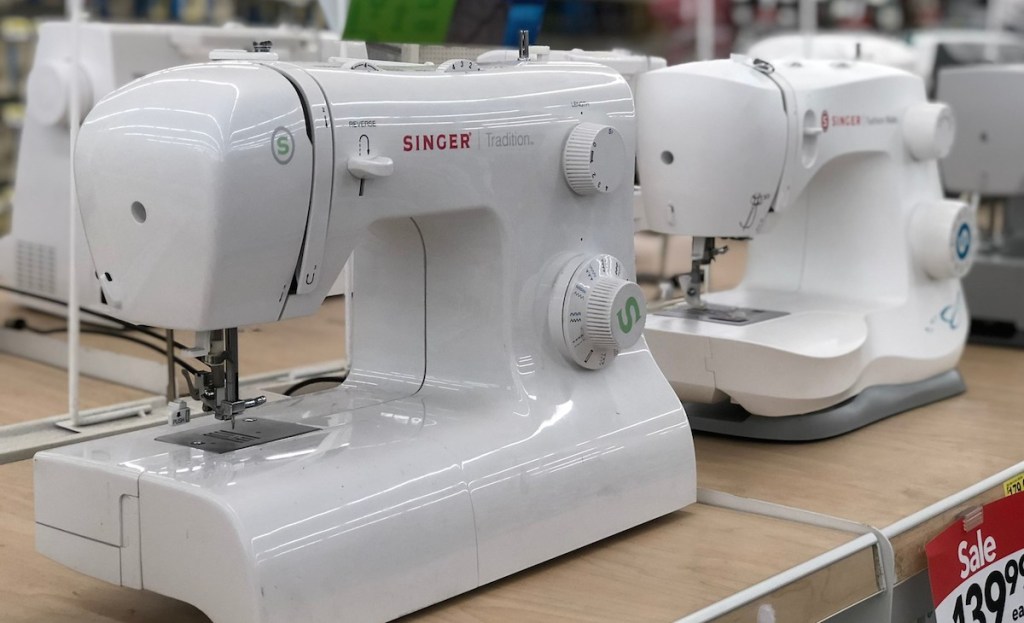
(851, 308)
(502, 407)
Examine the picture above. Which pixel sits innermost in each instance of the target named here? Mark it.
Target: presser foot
(702, 254)
(871, 405)
(244, 432)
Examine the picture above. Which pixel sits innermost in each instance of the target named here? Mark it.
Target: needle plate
(721, 314)
(247, 432)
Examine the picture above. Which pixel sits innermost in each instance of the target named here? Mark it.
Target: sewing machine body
(466, 444)
(34, 257)
(830, 170)
(988, 160)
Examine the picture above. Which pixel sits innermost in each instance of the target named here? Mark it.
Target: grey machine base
(871, 405)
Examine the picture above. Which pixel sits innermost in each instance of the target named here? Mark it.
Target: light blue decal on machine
(963, 241)
(950, 314)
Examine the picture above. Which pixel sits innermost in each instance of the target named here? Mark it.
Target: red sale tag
(977, 571)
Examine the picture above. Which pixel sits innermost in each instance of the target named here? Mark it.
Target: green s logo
(632, 310)
(282, 145)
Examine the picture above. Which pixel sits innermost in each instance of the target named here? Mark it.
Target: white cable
(73, 8)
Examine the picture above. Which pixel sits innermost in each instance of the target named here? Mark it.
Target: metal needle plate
(247, 432)
(720, 314)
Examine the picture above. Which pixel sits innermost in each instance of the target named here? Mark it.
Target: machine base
(243, 433)
(871, 405)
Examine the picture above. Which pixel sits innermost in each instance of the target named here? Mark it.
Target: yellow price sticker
(1013, 485)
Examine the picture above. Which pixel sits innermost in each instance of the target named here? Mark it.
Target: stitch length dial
(458, 65)
(603, 313)
(594, 159)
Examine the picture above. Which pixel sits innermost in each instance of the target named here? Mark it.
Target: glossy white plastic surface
(828, 199)
(714, 181)
(34, 256)
(465, 444)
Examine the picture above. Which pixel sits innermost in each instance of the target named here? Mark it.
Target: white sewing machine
(988, 160)
(34, 257)
(502, 408)
(850, 309)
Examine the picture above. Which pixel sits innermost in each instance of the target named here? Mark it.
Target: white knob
(943, 238)
(49, 85)
(603, 313)
(929, 130)
(595, 159)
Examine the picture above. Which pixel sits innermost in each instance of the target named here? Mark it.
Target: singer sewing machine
(502, 407)
(850, 309)
(34, 257)
(987, 161)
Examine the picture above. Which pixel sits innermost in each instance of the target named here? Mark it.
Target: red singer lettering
(436, 142)
(845, 120)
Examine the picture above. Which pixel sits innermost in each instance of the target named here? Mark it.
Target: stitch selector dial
(603, 312)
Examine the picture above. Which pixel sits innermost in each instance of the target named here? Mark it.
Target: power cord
(19, 324)
(124, 324)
